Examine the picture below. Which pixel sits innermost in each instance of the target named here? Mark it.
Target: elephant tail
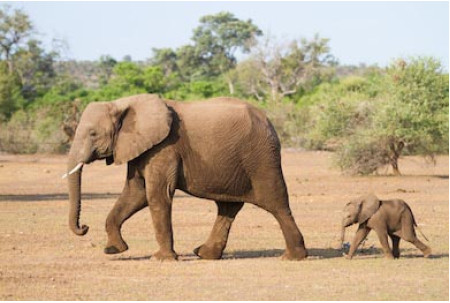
(415, 223)
(420, 230)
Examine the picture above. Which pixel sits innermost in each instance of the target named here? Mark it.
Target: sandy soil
(40, 259)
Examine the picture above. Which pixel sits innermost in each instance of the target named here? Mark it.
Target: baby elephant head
(360, 210)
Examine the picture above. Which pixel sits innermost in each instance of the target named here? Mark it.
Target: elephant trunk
(74, 183)
(342, 235)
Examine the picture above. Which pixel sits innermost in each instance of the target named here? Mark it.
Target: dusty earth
(40, 259)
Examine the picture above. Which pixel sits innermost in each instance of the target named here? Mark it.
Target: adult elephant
(221, 149)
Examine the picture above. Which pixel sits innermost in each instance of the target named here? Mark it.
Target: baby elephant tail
(415, 223)
(420, 230)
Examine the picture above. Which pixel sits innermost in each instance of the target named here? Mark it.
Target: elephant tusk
(76, 168)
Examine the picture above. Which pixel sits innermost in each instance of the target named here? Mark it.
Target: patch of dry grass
(40, 259)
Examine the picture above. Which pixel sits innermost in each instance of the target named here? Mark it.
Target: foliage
(361, 154)
(290, 121)
(415, 110)
(410, 116)
(10, 93)
(368, 115)
(16, 135)
(283, 69)
(338, 109)
(15, 27)
(106, 64)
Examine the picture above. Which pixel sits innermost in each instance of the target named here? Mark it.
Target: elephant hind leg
(218, 238)
(426, 250)
(395, 246)
(295, 246)
(409, 234)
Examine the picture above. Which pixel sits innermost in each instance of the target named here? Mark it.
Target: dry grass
(40, 259)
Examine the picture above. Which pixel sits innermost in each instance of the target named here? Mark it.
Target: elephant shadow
(313, 254)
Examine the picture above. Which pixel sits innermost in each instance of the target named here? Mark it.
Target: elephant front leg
(161, 210)
(360, 235)
(130, 201)
(383, 237)
(214, 246)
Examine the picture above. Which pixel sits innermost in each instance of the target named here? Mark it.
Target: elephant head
(359, 211)
(117, 131)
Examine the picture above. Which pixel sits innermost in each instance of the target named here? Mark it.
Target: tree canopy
(367, 115)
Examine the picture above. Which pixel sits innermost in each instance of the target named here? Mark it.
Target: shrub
(16, 135)
(361, 154)
(290, 122)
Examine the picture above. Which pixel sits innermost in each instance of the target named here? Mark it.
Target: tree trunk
(396, 151)
(230, 86)
(395, 168)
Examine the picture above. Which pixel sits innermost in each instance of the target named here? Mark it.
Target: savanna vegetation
(370, 116)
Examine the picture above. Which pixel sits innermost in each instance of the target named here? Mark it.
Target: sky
(359, 32)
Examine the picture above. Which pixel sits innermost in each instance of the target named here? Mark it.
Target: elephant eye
(92, 133)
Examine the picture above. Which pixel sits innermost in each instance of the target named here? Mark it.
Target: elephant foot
(347, 256)
(208, 253)
(115, 249)
(295, 255)
(164, 256)
(389, 256)
(427, 253)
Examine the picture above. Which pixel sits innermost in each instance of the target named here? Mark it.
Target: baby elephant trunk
(342, 235)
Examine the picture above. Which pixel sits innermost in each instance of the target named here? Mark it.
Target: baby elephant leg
(409, 234)
(426, 250)
(383, 237)
(360, 235)
(395, 246)
(419, 244)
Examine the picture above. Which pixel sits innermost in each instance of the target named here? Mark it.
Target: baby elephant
(392, 218)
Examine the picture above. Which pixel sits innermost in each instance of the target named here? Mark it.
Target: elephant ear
(369, 205)
(143, 121)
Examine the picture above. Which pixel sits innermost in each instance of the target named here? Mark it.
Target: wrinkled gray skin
(222, 149)
(392, 218)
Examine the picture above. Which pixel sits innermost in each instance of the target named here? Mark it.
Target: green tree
(154, 80)
(410, 115)
(190, 63)
(15, 27)
(127, 74)
(414, 114)
(10, 93)
(217, 39)
(106, 65)
(35, 68)
(166, 59)
(284, 68)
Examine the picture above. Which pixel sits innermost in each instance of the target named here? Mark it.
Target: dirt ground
(40, 259)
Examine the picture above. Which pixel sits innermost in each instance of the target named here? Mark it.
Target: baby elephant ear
(369, 205)
(143, 121)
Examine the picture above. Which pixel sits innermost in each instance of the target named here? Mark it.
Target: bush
(290, 122)
(410, 116)
(361, 154)
(16, 135)
(335, 120)
(36, 131)
(10, 93)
